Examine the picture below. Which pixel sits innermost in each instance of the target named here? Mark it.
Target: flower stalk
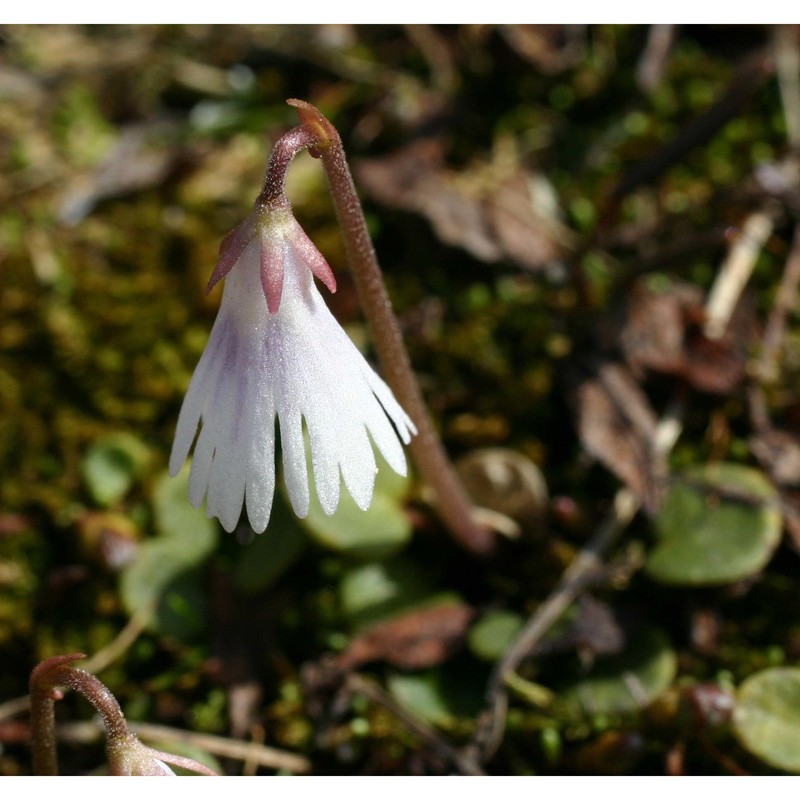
(323, 142)
(273, 193)
(126, 754)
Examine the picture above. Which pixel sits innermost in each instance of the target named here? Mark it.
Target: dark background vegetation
(552, 207)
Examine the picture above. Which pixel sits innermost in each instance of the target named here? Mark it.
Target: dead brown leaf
(492, 211)
(415, 640)
(654, 331)
(617, 425)
(414, 179)
(712, 366)
(525, 228)
(663, 332)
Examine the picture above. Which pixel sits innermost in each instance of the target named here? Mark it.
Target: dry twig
(466, 764)
(653, 60)
(268, 757)
(736, 270)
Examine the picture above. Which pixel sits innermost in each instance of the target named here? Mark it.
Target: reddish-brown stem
(43, 733)
(273, 193)
(430, 457)
(126, 753)
(46, 681)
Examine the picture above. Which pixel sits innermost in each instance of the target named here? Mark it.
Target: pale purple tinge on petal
(294, 365)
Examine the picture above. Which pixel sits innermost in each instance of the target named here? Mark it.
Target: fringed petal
(402, 422)
(283, 363)
(227, 479)
(260, 487)
(202, 387)
(359, 468)
(295, 468)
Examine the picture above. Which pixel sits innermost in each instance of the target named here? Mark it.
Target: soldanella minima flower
(277, 354)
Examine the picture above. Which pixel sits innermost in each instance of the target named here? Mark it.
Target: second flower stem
(430, 457)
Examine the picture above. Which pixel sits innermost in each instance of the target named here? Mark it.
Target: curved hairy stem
(429, 455)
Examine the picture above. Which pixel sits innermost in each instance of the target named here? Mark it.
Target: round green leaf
(628, 681)
(422, 694)
(176, 518)
(766, 719)
(162, 579)
(164, 575)
(111, 465)
(493, 634)
(440, 695)
(718, 524)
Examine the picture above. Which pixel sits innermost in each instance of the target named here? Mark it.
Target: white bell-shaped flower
(277, 353)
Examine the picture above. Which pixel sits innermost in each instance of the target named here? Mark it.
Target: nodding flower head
(277, 353)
